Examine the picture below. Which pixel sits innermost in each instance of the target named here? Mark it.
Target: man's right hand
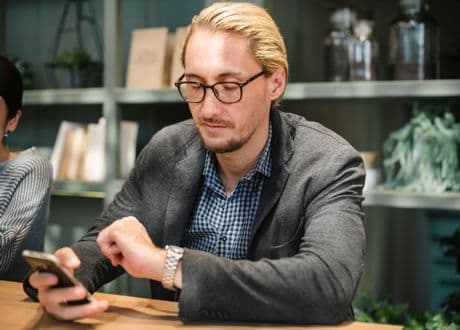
(55, 299)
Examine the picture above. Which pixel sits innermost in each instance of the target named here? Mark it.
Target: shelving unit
(111, 97)
(295, 91)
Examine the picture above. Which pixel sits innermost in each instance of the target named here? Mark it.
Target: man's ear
(277, 83)
(13, 122)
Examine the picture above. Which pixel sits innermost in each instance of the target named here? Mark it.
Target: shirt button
(223, 238)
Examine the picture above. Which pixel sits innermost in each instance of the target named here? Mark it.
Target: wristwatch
(173, 256)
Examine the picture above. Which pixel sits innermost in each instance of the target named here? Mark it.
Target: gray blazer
(306, 250)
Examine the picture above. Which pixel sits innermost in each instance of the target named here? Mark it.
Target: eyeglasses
(227, 92)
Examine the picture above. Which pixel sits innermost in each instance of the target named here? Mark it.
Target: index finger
(104, 239)
(68, 258)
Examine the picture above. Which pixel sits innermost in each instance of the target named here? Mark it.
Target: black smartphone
(46, 262)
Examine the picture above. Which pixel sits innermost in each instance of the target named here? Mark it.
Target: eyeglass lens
(225, 91)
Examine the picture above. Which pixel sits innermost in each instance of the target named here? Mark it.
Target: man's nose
(210, 105)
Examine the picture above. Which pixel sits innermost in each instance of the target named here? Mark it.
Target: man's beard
(229, 146)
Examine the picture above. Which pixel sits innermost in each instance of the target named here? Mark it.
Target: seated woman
(25, 181)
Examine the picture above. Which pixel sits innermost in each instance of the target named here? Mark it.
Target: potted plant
(83, 71)
(369, 309)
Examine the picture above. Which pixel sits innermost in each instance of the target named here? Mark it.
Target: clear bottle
(363, 52)
(337, 44)
(414, 43)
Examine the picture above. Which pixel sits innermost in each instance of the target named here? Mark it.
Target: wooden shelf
(322, 90)
(387, 198)
(295, 91)
(165, 95)
(64, 96)
(78, 189)
(373, 89)
(86, 189)
(399, 199)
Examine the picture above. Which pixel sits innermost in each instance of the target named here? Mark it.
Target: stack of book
(79, 150)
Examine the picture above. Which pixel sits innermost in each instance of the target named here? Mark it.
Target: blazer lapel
(273, 187)
(184, 189)
(281, 151)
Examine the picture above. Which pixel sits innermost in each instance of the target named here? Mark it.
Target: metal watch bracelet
(173, 256)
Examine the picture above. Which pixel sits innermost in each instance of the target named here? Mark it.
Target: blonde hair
(251, 22)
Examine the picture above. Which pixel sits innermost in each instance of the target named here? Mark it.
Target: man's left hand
(126, 243)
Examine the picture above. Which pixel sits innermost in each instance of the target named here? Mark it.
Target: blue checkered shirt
(222, 225)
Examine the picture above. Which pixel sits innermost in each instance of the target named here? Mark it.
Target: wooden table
(132, 313)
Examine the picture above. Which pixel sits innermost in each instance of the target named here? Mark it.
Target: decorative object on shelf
(24, 69)
(147, 59)
(363, 51)
(155, 58)
(176, 62)
(423, 155)
(373, 173)
(414, 43)
(81, 70)
(337, 44)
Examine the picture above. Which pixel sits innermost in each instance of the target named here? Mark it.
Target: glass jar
(337, 44)
(414, 43)
(363, 52)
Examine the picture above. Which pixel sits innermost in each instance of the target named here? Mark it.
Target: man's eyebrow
(192, 75)
(232, 74)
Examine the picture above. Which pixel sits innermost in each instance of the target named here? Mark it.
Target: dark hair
(10, 86)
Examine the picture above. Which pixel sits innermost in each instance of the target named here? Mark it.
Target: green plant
(82, 70)
(423, 155)
(76, 60)
(368, 309)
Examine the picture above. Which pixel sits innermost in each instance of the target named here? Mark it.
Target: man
(249, 213)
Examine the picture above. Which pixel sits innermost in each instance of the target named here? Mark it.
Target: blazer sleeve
(96, 269)
(314, 286)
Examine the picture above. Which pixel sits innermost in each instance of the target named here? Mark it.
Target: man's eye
(229, 87)
(193, 86)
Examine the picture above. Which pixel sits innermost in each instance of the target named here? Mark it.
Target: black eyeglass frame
(178, 83)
